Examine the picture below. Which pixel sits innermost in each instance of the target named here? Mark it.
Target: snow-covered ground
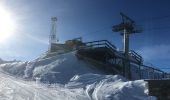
(69, 78)
(51, 68)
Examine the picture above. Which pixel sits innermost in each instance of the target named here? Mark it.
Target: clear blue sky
(79, 17)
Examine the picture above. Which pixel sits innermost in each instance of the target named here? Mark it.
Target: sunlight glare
(7, 25)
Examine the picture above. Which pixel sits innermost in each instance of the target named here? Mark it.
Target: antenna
(52, 38)
(126, 27)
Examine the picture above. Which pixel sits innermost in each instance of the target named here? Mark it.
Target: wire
(158, 28)
(153, 18)
(93, 32)
(106, 28)
(164, 68)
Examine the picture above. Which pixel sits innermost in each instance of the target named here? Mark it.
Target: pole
(127, 71)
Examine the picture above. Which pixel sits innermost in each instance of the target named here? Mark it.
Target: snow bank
(83, 87)
(14, 68)
(109, 87)
(51, 68)
(80, 81)
(14, 89)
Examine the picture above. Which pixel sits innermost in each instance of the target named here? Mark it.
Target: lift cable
(153, 18)
(109, 27)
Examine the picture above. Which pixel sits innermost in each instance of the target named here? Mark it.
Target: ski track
(15, 89)
(12, 88)
(98, 88)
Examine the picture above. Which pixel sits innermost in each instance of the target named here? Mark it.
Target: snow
(106, 87)
(69, 78)
(14, 89)
(51, 68)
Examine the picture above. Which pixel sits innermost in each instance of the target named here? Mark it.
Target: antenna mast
(52, 38)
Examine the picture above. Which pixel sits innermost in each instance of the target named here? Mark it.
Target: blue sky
(83, 18)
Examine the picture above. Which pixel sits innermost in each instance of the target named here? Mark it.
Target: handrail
(131, 51)
(102, 42)
(155, 69)
(136, 55)
(112, 49)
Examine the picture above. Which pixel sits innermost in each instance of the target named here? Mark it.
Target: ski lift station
(105, 56)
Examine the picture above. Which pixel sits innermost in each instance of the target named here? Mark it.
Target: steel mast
(126, 28)
(52, 38)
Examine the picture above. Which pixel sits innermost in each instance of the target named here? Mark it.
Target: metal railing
(142, 68)
(100, 43)
(136, 56)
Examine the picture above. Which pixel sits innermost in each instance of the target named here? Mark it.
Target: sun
(7, 25)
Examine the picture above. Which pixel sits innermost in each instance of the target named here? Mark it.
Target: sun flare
(7, 25)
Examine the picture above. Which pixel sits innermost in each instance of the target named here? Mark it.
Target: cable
(164, 68)
(153, 18)
(158, 28)
(106, 28)
(93, 32)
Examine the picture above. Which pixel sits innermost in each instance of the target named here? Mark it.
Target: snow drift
(109, 87)
(78, 79)
(51, 68)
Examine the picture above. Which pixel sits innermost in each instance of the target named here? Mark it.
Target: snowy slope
(14, 89)
(83, 87)
(51, 68)
(74, 80)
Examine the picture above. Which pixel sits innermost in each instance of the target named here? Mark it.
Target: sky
(90, 19)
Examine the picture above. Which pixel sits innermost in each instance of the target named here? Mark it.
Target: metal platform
(105, 52)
